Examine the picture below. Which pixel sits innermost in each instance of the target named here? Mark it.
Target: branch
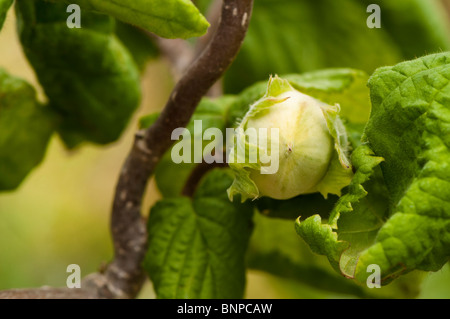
(48, 293)
(178, 53)
(94, 286)
(123, 277)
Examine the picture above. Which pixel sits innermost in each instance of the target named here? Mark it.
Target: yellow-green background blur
(60, 213)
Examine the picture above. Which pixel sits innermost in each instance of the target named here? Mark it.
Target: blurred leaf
(240, 106)
(275, 248)
(437, 285)
(418, 27)
(4, 7)
(295, 36)
(346, 87)
(166, 18)
(25, 130)
(197, 247)
(202, 5)
(89, 77)
(141, 47)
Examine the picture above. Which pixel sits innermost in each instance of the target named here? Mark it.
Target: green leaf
(346, 87)
(275, 248)
(398, 219)
(425, 19)
(25, 130)
(148, 120)
(355, 219)
(166, 18)
(409, 127)
(4, 7)
(88, 76)
(197, 246)
(308, 35)
(137, 42)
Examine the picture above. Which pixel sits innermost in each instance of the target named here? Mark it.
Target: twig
(124, 274)
(446, 4)
(123, 277)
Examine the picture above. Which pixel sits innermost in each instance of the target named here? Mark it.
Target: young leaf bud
(289, 144)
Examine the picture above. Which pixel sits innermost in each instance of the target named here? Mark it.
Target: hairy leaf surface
(197, 246)
(275, 248)
(399, 217)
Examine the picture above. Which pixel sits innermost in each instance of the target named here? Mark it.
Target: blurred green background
(60, 213)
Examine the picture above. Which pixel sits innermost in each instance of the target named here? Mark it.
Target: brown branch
(446, 4)
(213, 15)
(123, 277)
